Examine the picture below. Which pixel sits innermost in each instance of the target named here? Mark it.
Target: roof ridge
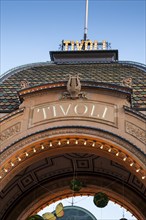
(21, 68)
(39, 64)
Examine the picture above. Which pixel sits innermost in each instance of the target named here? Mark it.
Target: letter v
(67, 110)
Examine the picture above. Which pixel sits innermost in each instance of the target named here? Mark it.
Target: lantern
(100, 199)
(75, 185)
(35, 217)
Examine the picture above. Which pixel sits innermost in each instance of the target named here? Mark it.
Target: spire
(85, 44)
(86, 22)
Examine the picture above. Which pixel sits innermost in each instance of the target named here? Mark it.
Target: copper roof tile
(96, 72)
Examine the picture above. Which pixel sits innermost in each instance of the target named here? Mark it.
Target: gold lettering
(95, 44)
(87, 45)
(104, 45)
(88, 42)
(79, 45)
(66, 44)
(91, 45)
(72, 45)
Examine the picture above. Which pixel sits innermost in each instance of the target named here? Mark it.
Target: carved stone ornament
(127, 82)
(9, 132)
(74, 88)
(136, 131)
(24, 84)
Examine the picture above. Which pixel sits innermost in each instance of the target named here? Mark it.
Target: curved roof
(50, 72)
(78, 213)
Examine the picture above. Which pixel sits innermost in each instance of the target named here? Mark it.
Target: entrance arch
(52, 135)
(98, 160)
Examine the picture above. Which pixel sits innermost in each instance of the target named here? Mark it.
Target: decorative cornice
(126, 91)
(5, 117)
(39, 88)
(135, 113)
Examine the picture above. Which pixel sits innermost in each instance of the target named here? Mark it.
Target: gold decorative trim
(84, 137)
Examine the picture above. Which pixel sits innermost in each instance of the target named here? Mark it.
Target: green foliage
(35, 217)
(100, 199)
(75, 185)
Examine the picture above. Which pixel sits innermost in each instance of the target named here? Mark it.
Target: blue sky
(111, 212)
(30, 29)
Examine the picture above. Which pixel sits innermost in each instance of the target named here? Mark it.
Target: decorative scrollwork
(135, 131)
(9, 132)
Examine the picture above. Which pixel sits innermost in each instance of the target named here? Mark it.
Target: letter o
(82, 112)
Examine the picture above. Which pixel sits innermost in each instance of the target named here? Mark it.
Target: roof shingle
(50, 73)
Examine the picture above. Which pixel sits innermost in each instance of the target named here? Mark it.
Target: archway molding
(80, 140)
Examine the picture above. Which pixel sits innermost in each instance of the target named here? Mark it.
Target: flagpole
(86, 22)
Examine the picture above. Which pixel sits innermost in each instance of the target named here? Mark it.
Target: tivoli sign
(84, 45)
(73, 109)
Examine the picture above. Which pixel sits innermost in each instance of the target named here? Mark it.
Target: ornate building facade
(83, 113)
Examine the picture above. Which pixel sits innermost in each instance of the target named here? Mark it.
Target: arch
(48, 136)
(112, 144)
(57, 142)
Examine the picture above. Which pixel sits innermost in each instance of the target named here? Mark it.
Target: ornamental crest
(127, 82)
(24, 84)
(74, 88)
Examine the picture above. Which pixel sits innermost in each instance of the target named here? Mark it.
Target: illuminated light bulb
(104, 45)
(12, 164)
(93, 144)
(131, 164)
(50, 144)
(34, 150)
(117, 154)
(5, 170)
(85, 142)
(42, 147)
(26, 154)
(67, 142)
(19, 159)
(59, 142)
(76, 142)
(143, 177)
(109, 150)
(138, 170)
(101, 147)
(125, 158)
(0, 177)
